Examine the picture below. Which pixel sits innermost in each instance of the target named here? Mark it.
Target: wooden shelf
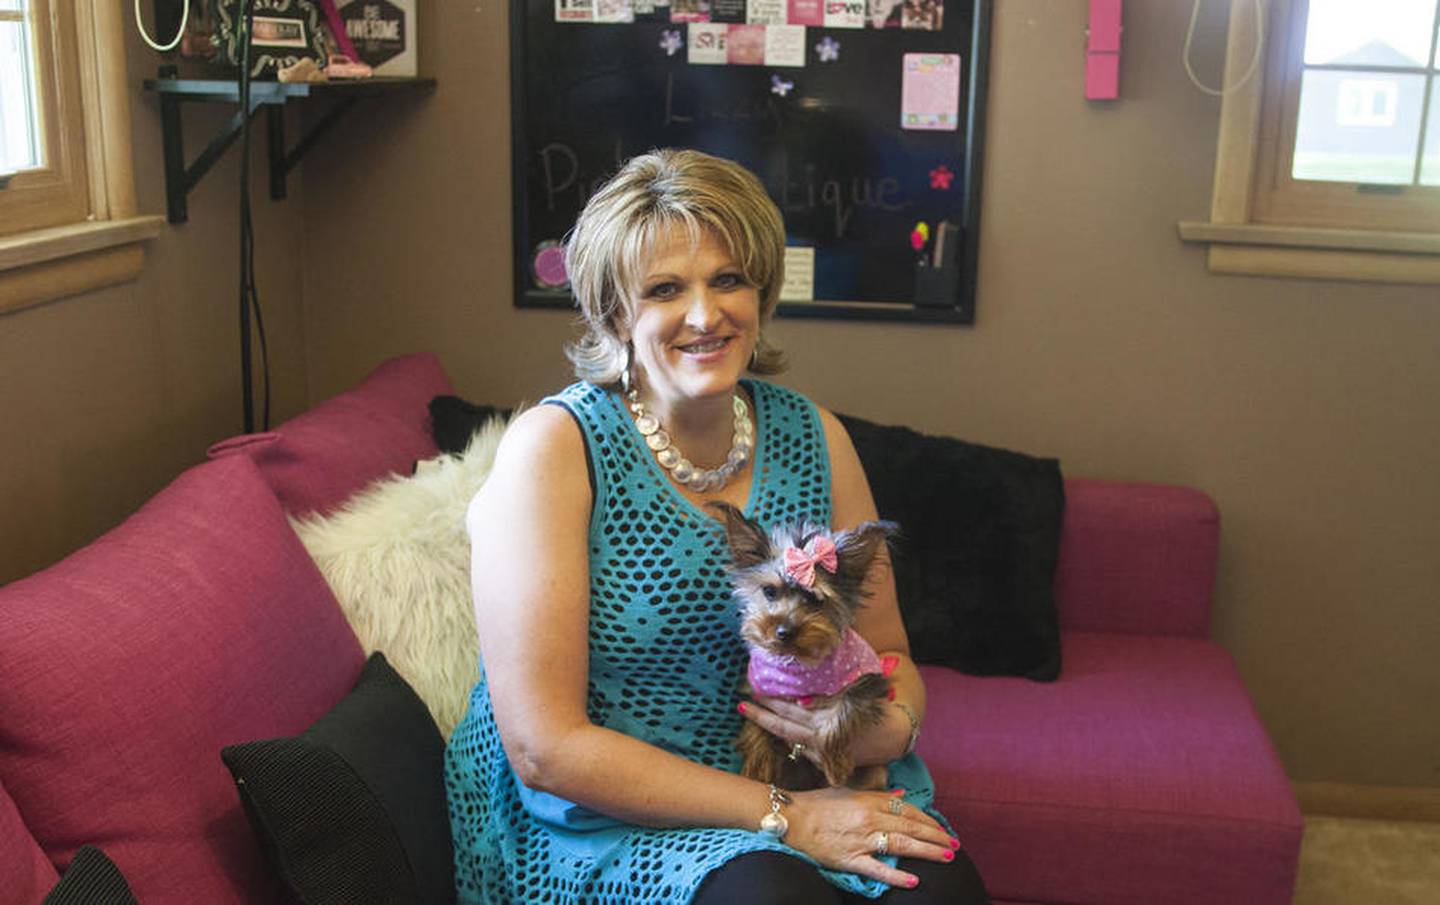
(180, 178)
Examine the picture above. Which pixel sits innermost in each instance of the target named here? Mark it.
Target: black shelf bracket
(181, 178)
(282, 161)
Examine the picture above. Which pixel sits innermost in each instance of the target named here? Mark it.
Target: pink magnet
(549, 264)
(1102, 76)
(1105, 26)
(1102, 50)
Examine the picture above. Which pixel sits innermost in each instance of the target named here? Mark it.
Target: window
(1329, 155)
(67, 205)
(19, 104)
(1348, 106)
(50, 185)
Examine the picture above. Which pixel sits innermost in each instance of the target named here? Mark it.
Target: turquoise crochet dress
(666, 663)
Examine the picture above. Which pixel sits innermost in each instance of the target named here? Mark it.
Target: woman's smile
(707, 349)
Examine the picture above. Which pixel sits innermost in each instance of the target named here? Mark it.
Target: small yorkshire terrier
(800, 589)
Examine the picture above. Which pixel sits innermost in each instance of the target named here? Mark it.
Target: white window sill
(1310, 252)
(48, 264)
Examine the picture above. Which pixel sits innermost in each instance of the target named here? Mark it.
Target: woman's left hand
(791, 720)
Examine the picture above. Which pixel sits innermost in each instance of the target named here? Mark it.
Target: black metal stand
(180, 178)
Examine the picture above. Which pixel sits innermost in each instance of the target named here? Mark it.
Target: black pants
(770, 878)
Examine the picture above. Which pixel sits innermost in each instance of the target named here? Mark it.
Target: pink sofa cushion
(197, 623)
(1136, 558)
(380, 427)
(1143, 775)
(26, 874)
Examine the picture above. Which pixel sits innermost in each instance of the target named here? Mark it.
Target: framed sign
(863, 118)
(285, 31)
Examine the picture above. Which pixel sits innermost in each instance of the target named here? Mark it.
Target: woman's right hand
(841, 828)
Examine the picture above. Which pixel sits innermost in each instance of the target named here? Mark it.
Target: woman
(597, 761)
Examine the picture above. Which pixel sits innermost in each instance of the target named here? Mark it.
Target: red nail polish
(954, 843)
(913, 882)
(949, 856)
(806, 701)
(897, 793)
(741, 708)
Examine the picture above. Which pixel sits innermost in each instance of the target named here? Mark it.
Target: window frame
(1248, 235)
(79, 223)
(57, 192)
(1282, 199)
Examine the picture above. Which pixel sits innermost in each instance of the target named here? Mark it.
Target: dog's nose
(784, 632)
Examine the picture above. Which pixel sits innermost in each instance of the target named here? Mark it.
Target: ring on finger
(882, 843)
(895, 805)
(795, 751)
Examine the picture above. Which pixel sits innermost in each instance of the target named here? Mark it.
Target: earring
(625, 381)
(755, 352)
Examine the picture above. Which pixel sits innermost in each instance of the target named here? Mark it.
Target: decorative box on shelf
(383, 32)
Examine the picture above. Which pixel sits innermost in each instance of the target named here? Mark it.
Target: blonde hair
(622, 224)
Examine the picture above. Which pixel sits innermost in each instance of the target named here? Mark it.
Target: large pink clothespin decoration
(1102, 51)
(800, 564)
(337, 30)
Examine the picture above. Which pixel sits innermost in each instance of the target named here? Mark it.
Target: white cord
(184, 20)
(1254, 60)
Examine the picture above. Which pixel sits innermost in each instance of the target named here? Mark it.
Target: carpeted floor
(1359, 862)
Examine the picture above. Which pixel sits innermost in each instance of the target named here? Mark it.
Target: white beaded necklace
(700, 480)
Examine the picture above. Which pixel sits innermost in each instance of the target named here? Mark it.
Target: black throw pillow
(979, 539)
(91, 879)
(353, 809)
(453, 421)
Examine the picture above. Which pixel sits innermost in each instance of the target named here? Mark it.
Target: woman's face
(696, 322)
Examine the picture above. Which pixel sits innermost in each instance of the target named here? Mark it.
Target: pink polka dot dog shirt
(782, 676)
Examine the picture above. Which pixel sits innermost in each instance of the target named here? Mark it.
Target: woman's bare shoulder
(850, 498)
(542, 436)
(540, 462)
(837, 439)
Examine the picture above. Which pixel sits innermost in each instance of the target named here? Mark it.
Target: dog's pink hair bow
(800, 564)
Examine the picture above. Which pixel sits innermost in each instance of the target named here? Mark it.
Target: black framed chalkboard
(854, 182)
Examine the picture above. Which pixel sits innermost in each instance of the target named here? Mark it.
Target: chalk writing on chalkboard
(821, 128)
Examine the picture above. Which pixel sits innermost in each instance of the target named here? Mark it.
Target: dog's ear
(749, 544)
(855, 550)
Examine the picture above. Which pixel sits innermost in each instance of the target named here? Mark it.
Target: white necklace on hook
(700, 480)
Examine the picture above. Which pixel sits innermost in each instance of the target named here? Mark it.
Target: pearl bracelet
(774, 823)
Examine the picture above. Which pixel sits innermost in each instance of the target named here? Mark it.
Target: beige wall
(106, 396)
(1307, 409)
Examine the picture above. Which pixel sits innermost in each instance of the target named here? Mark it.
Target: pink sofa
(1141, 776)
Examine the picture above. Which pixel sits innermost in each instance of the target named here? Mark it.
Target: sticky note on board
(574, 10)
(799, 284)
(689, 10)
(930, 91)
(706, 43)
(766, 12)
(727, 11)
(745, 45)
(785, 45)
(614, 11)
(844, 13)
(806, 12)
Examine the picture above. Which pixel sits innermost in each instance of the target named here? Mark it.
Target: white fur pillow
(397, 556)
